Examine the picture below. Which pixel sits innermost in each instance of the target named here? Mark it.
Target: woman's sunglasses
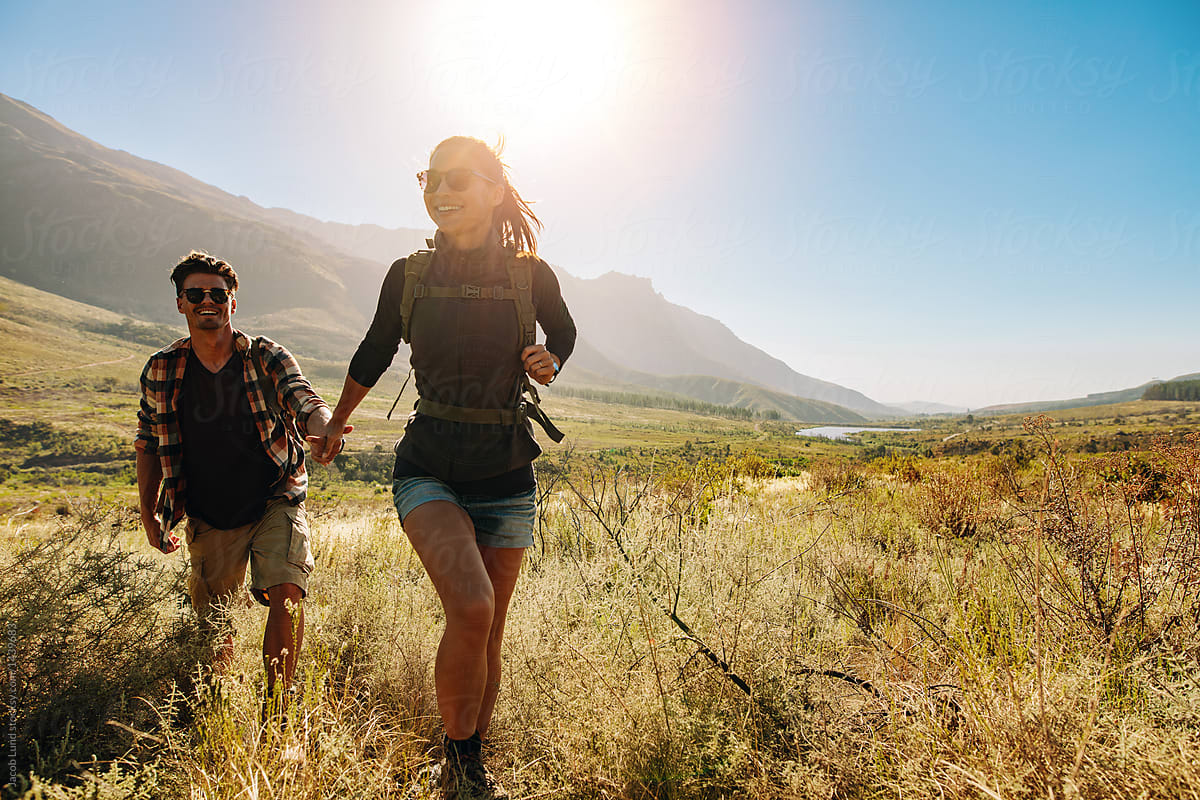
(196, 296)
(457, 179)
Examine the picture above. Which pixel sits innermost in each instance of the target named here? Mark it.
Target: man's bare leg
(284, 634)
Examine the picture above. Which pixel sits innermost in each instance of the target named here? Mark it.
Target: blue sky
(965, 203)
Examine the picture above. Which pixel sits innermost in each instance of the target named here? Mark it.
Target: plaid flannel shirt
(281, 401)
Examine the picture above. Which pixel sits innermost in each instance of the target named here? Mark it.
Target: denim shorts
(498, 521)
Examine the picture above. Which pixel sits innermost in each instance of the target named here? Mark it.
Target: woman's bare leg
(503, 564)
(444, 538)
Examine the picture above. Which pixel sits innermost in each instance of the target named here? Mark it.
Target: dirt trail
(77, 366)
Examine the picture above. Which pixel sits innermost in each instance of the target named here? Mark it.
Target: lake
(844, 431)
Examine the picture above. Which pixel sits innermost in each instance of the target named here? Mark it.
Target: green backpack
(520, 291)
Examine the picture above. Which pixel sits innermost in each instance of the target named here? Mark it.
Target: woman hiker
(463, 481)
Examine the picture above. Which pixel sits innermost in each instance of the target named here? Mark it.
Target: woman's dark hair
(514, 220)
(199, 261)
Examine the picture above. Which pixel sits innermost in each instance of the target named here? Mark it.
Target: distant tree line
(1173, 390)
(660, 401)
(39, 442)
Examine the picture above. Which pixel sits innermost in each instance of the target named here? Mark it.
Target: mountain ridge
(103, 226)
(689, 343)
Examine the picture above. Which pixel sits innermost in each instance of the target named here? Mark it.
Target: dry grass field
(941, 628)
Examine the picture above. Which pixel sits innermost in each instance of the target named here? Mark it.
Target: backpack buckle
(471, 292)
(498, 293)
(419, 291)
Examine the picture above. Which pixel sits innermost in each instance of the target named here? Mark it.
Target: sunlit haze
(958, 203)
(535, 72)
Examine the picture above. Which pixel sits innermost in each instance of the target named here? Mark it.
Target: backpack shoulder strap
(520, 274)
(415, 267)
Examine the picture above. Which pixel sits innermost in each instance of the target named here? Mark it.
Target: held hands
(540, 364)
(326, 439)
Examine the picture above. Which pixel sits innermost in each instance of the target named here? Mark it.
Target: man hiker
(219, 432)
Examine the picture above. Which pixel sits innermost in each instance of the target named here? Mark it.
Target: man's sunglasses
(196, 296)
(457, 179)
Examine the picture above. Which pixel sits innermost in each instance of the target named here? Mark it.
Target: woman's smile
(465, 216)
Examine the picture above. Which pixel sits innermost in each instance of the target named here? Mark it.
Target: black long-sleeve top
(465, 352)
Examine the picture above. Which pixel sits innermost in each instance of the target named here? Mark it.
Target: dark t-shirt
(465, 353)
(228, 472)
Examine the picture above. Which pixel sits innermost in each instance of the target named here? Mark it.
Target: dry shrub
(836, 476)
(907, 468)
(1108, 559)
(752, 465)
(95, 641)
(952, 499)
(1179, 463)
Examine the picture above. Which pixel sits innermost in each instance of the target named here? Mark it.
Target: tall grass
(95, 642)
(974, 630)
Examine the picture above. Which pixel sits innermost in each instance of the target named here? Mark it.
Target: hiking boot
(465, 777)
(275, 707)
(469, 779)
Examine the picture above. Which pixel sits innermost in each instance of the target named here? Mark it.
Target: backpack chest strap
(490, 416)
(465, 292)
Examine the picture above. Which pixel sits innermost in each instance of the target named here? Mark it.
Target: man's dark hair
(199, 261)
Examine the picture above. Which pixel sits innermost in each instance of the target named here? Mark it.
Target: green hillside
(671, 391)
(42, 333)
(1151, 390)
(1094, 399)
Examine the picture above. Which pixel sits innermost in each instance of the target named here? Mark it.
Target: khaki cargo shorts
(276, 548)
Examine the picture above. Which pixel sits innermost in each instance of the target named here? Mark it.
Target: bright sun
(531, 70)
